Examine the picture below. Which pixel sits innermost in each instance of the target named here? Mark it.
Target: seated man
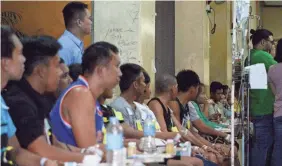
(64, 82)
(166, 91)
(183, 110)
(83, 128)
(12, 68)
(27, 101)
(186, 113)
(132, 86)
(217, 112)
(75, 71)
(201, 105)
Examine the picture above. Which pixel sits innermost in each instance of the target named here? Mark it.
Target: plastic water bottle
(149, 134)
(115, 150)
(186, 149)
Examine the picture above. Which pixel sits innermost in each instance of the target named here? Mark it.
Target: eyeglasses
(272, 42)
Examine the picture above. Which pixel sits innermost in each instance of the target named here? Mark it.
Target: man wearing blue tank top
(77, 118)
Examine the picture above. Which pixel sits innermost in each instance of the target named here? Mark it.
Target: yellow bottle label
(157, 126)
(188, 124)
(138, 125)
(174, 129)
(118, 115)
(105, 120)
(105, 135)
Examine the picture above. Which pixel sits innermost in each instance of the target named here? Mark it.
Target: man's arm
(61, 145)
(158, 111)
(130, 132)
(30, 133)
(196, 119)
(202, 127)
(203, 140)
(79, 105)
(24, 157)
(41, 147)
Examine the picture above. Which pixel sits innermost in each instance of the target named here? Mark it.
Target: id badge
(139, 125)
(188, 124)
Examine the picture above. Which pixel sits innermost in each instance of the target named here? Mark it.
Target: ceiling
(273, 3)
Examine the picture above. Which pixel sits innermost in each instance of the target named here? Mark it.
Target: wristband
(83, 150)
(204, 147)
(70, 164)
(43, 161)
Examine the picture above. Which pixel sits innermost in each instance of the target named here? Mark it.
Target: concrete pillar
(192, 38)
(147, 34)
(220, 42)
(130, 25)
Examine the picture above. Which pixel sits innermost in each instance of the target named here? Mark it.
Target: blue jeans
(262, 140)
(276, 159)
(205, 161)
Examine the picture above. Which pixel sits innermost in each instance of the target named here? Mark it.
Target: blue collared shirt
(7, 125)
(72, 48)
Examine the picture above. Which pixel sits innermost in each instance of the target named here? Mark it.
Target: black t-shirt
(166, 113)
(184, 112)
(27, 109)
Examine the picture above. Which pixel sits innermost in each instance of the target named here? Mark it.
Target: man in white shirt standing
(78, 24)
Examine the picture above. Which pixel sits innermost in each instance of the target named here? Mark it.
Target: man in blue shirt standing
(78, 24)
(12, 68)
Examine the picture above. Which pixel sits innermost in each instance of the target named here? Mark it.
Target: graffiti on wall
(12, 18)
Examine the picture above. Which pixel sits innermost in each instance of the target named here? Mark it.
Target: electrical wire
(213, 24)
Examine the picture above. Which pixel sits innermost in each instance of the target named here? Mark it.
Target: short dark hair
(75, 71)
(73, 10)
(186, 79)
(97, 54)
(259, 35)
(214, 86)
(147, 77)
(225, 87)
(130, 72)
(163, 83)
(278, 56)
(38, 50)
(7, 44)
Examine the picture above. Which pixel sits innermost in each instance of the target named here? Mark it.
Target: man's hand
(209, 149)
(98, 150)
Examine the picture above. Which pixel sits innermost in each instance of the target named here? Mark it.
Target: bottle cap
(177, 137)
(132, 144)
(169, 141)
(113, 120)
